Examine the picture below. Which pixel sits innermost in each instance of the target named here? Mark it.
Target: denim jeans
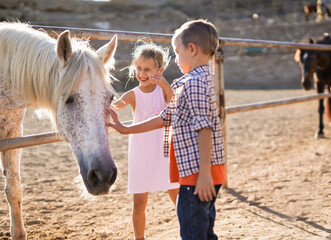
(196, 218)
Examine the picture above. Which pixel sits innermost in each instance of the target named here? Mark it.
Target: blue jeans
(196, 218)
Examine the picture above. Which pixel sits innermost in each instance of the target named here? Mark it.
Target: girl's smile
(145, 67)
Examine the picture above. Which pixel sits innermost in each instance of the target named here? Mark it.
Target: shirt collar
(200, 69)
(182, 80)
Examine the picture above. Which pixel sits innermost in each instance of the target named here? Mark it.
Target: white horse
(71, 81)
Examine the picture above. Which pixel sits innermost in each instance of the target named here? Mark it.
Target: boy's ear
(161, 69)
(193, 48)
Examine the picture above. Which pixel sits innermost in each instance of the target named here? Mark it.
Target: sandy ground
(279, 182)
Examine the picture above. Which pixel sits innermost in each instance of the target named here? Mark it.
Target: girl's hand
(114, 107)
(117, 125)
(158, 79)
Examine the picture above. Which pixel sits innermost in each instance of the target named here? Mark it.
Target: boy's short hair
(200, 32)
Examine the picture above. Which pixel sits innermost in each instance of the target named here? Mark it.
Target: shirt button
(188, 188)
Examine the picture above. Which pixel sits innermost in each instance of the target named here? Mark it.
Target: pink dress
(148, 168)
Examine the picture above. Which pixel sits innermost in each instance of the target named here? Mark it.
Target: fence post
(218, 72)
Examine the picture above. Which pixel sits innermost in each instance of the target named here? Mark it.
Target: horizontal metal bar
(38, 139)
(272, 44)
(32, 140)
(275, 103)
(98, 34)
(28, 141)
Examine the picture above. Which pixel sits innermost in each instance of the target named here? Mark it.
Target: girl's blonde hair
(149, 50)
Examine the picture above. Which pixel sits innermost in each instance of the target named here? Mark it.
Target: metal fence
(32, 140)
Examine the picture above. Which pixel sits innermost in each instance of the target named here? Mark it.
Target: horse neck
(323, 61)
(10, 99)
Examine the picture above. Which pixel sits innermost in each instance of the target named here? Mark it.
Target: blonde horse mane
(29, 61)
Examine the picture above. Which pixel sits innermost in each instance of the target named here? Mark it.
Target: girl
(148, 168)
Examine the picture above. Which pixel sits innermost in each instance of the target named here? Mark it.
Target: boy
(196, 144)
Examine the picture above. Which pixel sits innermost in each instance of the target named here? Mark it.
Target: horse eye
(111, 98)
(70, 100)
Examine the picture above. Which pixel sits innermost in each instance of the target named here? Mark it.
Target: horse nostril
(113, 177)
(94, 177)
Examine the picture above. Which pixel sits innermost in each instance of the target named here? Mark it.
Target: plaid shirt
(192, 108)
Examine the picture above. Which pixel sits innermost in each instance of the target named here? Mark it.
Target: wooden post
(220, 99)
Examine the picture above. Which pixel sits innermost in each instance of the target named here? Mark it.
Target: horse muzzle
(100, 181)
(306, 82)
(98, 173)
(306, 85)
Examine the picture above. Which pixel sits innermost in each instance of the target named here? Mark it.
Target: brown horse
(311, 8)
(318, 64)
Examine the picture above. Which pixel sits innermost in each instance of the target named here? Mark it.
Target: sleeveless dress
(148, 168)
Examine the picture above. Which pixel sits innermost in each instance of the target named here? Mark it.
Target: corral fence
(216, 66)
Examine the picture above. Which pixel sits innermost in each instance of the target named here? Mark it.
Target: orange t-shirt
(217, 172)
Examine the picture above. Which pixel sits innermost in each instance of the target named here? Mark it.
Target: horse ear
(63, 48)
(297, 55)
(107, 52)
(311, 40)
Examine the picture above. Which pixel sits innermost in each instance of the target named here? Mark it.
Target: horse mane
(29, 61)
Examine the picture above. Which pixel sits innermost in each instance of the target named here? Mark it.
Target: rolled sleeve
(163, 114)
(202, 122)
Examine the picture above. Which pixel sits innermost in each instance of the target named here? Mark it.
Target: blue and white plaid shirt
(192, 108)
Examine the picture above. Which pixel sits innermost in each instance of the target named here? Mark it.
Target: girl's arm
(158, 79)
(126, 99)
(147, 125)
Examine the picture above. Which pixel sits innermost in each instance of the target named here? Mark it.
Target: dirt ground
(279, 182)
(279, 175)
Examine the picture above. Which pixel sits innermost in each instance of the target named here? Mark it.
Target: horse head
(81, 113)
(308, 62)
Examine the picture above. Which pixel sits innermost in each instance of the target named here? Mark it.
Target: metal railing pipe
(98, 34)
(275, 103)
(37, 139)
(272, 44)
(44, 138)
